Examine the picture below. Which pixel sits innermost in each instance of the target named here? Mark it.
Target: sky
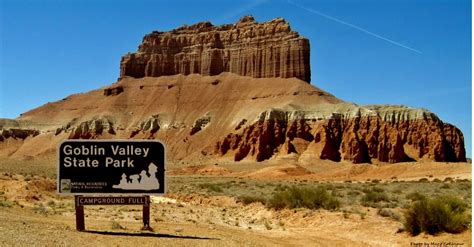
(411, 52)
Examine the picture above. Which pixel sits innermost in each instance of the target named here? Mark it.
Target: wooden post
(146, 213)
(80, 224)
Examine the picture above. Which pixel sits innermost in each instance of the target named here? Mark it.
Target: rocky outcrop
(385, 133)
(150, 125)
(248, 48)
(17, 133)
(92, 128)
(200, 123)
(112, 91)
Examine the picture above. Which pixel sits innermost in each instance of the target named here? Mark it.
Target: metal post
(146, 213)
(80, 224)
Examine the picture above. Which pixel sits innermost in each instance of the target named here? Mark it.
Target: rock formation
(248, 48)
(91, 129)
(17, 133)
(385, 133)
(203, 113)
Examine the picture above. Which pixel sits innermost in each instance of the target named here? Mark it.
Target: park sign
(106, 167)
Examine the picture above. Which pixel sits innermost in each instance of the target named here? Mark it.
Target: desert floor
(208, 206)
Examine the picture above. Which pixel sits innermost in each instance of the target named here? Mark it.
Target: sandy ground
(324, 170)
(189, 219)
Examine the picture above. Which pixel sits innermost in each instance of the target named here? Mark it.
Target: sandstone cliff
(356, 134)
(248, 48)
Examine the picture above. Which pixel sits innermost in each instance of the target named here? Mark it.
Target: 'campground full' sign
(111, 167)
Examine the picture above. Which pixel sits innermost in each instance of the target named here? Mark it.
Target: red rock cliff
(248, 48)
(385, 133)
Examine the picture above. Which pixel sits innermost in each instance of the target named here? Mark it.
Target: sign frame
(104, 194)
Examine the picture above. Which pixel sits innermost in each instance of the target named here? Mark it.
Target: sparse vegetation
(373, 197)
(246, 199)
(5, 203)
(415, 196)
(442, 214)
(448, 179)
(117, 226)
(39, 208)
(385, 212)
(268, 225)
(211, 187)
(445, 186)
(312, 198)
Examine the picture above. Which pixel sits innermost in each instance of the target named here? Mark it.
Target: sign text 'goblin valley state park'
(111, 167)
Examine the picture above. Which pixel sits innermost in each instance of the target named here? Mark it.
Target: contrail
(242, 9)
(354, 26)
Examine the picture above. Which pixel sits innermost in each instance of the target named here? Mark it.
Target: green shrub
(442, 214)
(385, 212)
(377, 189)
(312, 198)
(373, 197)
(116, 226)
(211, 187)
(353, 193)
(445, 186)
(415, 196)
(39, 208)
(251, 199)
(5, 203)
(448, 179)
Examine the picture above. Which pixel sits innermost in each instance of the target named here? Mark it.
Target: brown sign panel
(112, 200)
(106, 167)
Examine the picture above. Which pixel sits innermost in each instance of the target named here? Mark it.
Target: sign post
(80, 224)
(132, 170)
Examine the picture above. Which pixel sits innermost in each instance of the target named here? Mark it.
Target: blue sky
(411, 52)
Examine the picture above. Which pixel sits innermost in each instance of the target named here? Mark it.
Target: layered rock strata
(248, 48)
(384, 133)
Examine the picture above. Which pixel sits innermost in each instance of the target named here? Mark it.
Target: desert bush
(373, 197)
(464, 186)
(423, 180)
(280, 187)
(312, 198)
(385, 212)
(415, 196)
(267, 225)
(441, 214)
(445, 186)
(5, 203)
(251, 199)
(211, 187)
(39, 208)
(448, 179)
(353, 193)
(377, 189)
(397, 191)
(117, 226)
